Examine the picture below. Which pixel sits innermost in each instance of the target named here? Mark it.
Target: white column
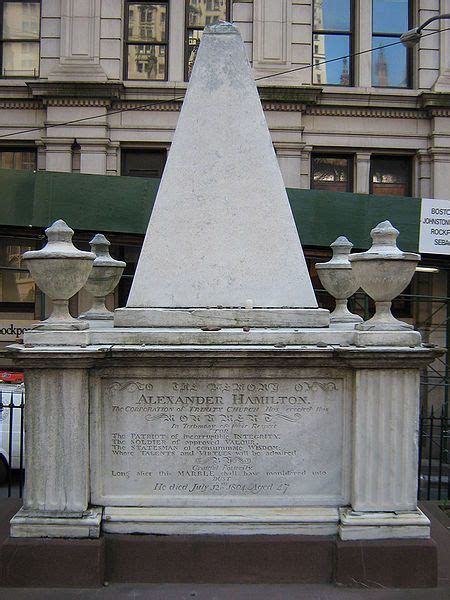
(93, 156)
(41, 157)
(57, 457)
(385, 440)
(385, 453)
(440, 168)
(112, 158)
(57, 485)
(289, 159)
(363, 42)
(79, 42)
(58, 154)
(305, 167)
(424, 174)
(443, 81)
(362, 174)
(176, 41)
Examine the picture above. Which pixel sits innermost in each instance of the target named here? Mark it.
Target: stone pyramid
(222, 232)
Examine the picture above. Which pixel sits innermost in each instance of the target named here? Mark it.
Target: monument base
(229, 521)
(118, 558)
(383, 525)
(24, 525)
(386, 563)
(221, 317)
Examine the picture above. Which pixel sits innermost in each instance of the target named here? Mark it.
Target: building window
(198, 14)
(20, 30)
(332, 173)
(18, 158)
(390, 68)
(143, 163)
(146, 40)
(17, 289)
(390, 175)
(332, 38)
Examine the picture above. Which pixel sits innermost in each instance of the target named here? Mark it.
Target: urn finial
(384, 272)
(339, 280)
(104, 277)
(60, 270)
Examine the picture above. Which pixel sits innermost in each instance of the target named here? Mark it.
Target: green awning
(123, 205)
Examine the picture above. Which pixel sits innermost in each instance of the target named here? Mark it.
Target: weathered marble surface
(351, 438)
(231, 520)
(239, 337)
(370, 525)
(221, 231)
(214, 439)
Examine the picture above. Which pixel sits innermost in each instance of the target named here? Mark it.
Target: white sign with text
(434, 236)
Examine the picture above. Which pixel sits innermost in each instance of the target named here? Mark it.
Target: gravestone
(222, 401)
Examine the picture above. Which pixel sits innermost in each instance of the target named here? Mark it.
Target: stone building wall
(83, 42)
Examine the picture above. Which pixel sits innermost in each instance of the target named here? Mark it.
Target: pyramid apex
(221, 27)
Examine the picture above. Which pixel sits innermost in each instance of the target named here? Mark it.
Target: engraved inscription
(274, 438)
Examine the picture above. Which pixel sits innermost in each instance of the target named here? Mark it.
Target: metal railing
(12, 427)
(434, 467)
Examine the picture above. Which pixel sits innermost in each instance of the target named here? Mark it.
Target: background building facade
(95, 87)
(373, 120)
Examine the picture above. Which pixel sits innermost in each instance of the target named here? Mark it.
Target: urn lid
(384, 245)
(59, 245)
(341, 249)
(100, 247)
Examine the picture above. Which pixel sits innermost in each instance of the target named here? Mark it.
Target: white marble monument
(222, 401)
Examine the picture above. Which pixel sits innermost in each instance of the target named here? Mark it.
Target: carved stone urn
(338, 278)
(60, 270)
(384, 271)
(104, 277)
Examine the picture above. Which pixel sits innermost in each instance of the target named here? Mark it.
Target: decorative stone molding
(272, 25)
(80, 42)
(283, 107)
(72, 91)
(150, 105)
(343, 111)
(20, 104)
(439, 112)
(432, 100)
(303, 94)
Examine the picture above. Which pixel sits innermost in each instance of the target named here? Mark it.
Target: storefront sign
(434, 236)
(12, 330)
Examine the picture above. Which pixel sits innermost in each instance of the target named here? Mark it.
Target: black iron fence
(434, 467)
(12, 472)
(433, 470)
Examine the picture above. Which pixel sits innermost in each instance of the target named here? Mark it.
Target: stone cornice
(374, 112)
(75, 94)
(330, 357)
(15, 103)
(290, 94)
(434, 100)
(149, 105)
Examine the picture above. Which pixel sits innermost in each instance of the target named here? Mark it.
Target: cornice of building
(63, 93)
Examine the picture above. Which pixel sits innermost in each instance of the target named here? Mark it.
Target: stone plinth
(316, 438)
